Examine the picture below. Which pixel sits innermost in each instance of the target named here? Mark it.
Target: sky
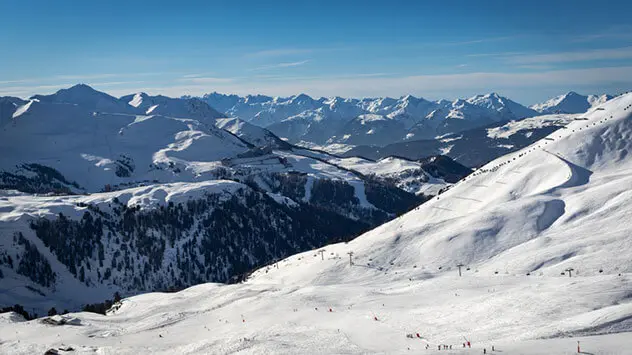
(526, 50)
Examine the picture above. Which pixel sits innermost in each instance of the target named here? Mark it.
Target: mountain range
(528, 254)
(383, 121)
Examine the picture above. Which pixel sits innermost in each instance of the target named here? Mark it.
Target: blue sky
(527, 50)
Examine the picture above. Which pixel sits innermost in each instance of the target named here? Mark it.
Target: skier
(493, 349)
(484, 351)
(468, 344)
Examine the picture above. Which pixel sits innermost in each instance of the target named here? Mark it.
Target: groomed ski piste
(516, 225)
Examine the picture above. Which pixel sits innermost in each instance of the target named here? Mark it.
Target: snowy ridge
(191, 108)
(409, 175)
(97, 149)
(570, 102)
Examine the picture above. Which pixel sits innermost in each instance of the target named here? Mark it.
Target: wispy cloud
(206, 80)
(502, 54)
(29, 90)
(280, 52)
(23, 91)
(579, 56)
(85, 77)
(367, 75)
(196, 75)
(116, 83)
(365, 84)
(480, 40)
(621, 32)
(534, 66)
(281, 65)
(436, 86)
(21, 81)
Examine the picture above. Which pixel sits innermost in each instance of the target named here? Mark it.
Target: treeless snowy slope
(96, 149)
(408, 175)
(570, 102)
(191, 108)
(561, 203)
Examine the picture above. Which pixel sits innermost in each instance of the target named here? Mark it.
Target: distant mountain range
(383, 121)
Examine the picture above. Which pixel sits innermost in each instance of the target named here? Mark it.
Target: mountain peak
(79, 94)
(301, 99)
(78, 90)
(81, 88)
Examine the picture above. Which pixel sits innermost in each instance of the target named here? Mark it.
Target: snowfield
(408, 174)
(513, 127)
(516, 225)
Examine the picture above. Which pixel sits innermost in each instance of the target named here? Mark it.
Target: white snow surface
(336, 148)
(87, 147)
(510, 128)
(570, 102)
(409, 174)
(560, 203)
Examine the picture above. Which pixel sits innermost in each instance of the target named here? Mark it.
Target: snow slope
(191, 108)
(408, 175)
(17, 209)
(516, 224)
(570, 102)
(95, 149)
(252, 134)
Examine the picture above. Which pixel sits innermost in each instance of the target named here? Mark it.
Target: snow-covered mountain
(570, 102)
(93, 200)
(94, 149)
(182, 108)
(252, 134)
(485, 265)
(8, 106)
(87, 98)
(377, 121)
(473, 147)
(383, 121)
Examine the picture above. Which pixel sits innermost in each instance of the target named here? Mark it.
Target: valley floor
(517, 314)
